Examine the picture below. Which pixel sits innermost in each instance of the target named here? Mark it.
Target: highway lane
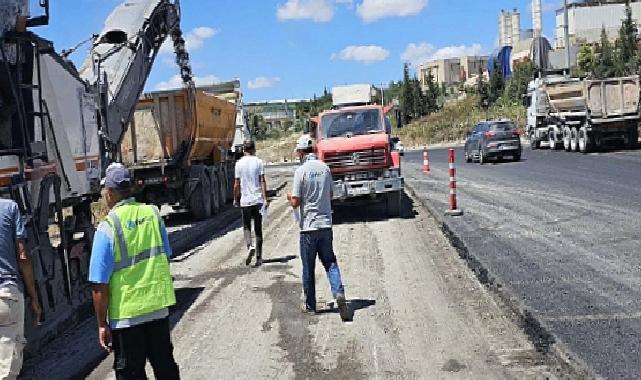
(561, 232)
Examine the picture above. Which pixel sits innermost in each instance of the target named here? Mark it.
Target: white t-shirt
(248, 170)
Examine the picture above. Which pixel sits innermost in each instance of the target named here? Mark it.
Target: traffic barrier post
(454, 210)
(426, 161)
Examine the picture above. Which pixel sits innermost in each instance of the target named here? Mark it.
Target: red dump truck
(178, 148)
(355, 140)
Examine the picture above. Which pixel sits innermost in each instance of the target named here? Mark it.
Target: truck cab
(355, 140)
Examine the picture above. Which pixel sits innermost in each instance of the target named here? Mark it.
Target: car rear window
(503, 127)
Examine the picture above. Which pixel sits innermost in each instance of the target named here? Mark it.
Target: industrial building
(275, 112)
(509, 27)
(587, 18)
(451, 71)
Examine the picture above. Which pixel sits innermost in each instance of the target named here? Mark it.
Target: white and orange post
(454, 210)
(426, 161)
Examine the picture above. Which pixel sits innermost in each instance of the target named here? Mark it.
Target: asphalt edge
(536, 330)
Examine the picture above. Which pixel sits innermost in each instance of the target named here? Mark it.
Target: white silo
(537, 18)
(516, 26)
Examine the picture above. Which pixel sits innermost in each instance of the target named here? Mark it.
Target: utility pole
(566, 27)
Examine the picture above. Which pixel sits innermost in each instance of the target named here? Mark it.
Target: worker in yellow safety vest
(132, 284)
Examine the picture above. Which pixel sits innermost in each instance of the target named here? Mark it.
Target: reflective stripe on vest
(125, 259)
(141, 281)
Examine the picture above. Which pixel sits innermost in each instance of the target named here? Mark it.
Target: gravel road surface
(560, 231)
(420, 313)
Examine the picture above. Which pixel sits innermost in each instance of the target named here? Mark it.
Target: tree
(604, 65)
(626, 43)
(497, 84)
(418, 105)
(516, 87)
(586, 59)
(482, 91)
(431, 95)
(407, 98)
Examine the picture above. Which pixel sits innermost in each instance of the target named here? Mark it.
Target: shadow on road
(280, 260)
(354, 305)
(371, 211)
(185, 297)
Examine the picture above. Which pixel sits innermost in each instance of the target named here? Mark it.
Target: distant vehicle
(493, 139)
(582, 115)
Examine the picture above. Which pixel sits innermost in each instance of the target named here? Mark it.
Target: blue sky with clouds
(294, 48)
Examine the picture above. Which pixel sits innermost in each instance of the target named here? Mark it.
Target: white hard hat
(304, 142)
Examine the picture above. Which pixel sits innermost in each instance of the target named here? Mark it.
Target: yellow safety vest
(141, 281)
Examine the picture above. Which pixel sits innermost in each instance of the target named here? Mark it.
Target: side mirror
(395, 140)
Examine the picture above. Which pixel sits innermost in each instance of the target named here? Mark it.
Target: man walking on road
(250, 189)
(16, 272)
(312, 193)
(132, 285)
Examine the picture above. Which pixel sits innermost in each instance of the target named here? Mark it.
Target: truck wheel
(567, 137)
(394, 204)
(632, 138)
(215, 193)
(222, 187)
(584, 141)
(552, 139)
(574, 140)
(200, 200)
(534, 143)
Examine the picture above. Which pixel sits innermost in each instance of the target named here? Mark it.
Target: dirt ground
(419, 312)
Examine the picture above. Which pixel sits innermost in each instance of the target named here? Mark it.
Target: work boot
(250, 255)
(306, 310)
(259, 261)
(343, 308)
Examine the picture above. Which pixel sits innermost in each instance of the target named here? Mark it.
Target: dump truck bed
(179, 126)
(603, 100)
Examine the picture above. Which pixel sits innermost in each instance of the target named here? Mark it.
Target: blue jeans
(321, 243)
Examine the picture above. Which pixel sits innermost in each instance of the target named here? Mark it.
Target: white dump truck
(582, 114)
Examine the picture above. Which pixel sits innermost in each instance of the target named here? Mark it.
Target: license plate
(507, 147)
(355, 191)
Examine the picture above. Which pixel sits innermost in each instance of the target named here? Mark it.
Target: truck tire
(534, 143)
(567, 138)
(200, 199)
(215, 192)
(574, 140)
(632, 137)
(552, 139)
(584, 141)
(222, 186)
(393, 203)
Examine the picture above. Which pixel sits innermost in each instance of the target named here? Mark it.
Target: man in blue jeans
(312, 193)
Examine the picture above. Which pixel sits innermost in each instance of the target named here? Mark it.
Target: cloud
(373, 10)
(365, 54)
(176, 82)
(194, 40)
(419, 53)
(263, 82)
(315, 10)
(349, 4)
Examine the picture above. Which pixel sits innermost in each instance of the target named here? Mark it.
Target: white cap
(304, 142)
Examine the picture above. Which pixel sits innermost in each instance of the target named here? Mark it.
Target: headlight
(387, 174)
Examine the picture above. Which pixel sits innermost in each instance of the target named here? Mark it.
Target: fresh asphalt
(561, 232)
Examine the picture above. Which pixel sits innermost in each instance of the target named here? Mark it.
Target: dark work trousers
(133, 346)
(249, 213)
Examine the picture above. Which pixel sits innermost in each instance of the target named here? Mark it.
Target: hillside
(452, 122)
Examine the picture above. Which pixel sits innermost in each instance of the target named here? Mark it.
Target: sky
(295, 48)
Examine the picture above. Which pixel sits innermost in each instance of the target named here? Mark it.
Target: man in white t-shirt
(250, 192)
